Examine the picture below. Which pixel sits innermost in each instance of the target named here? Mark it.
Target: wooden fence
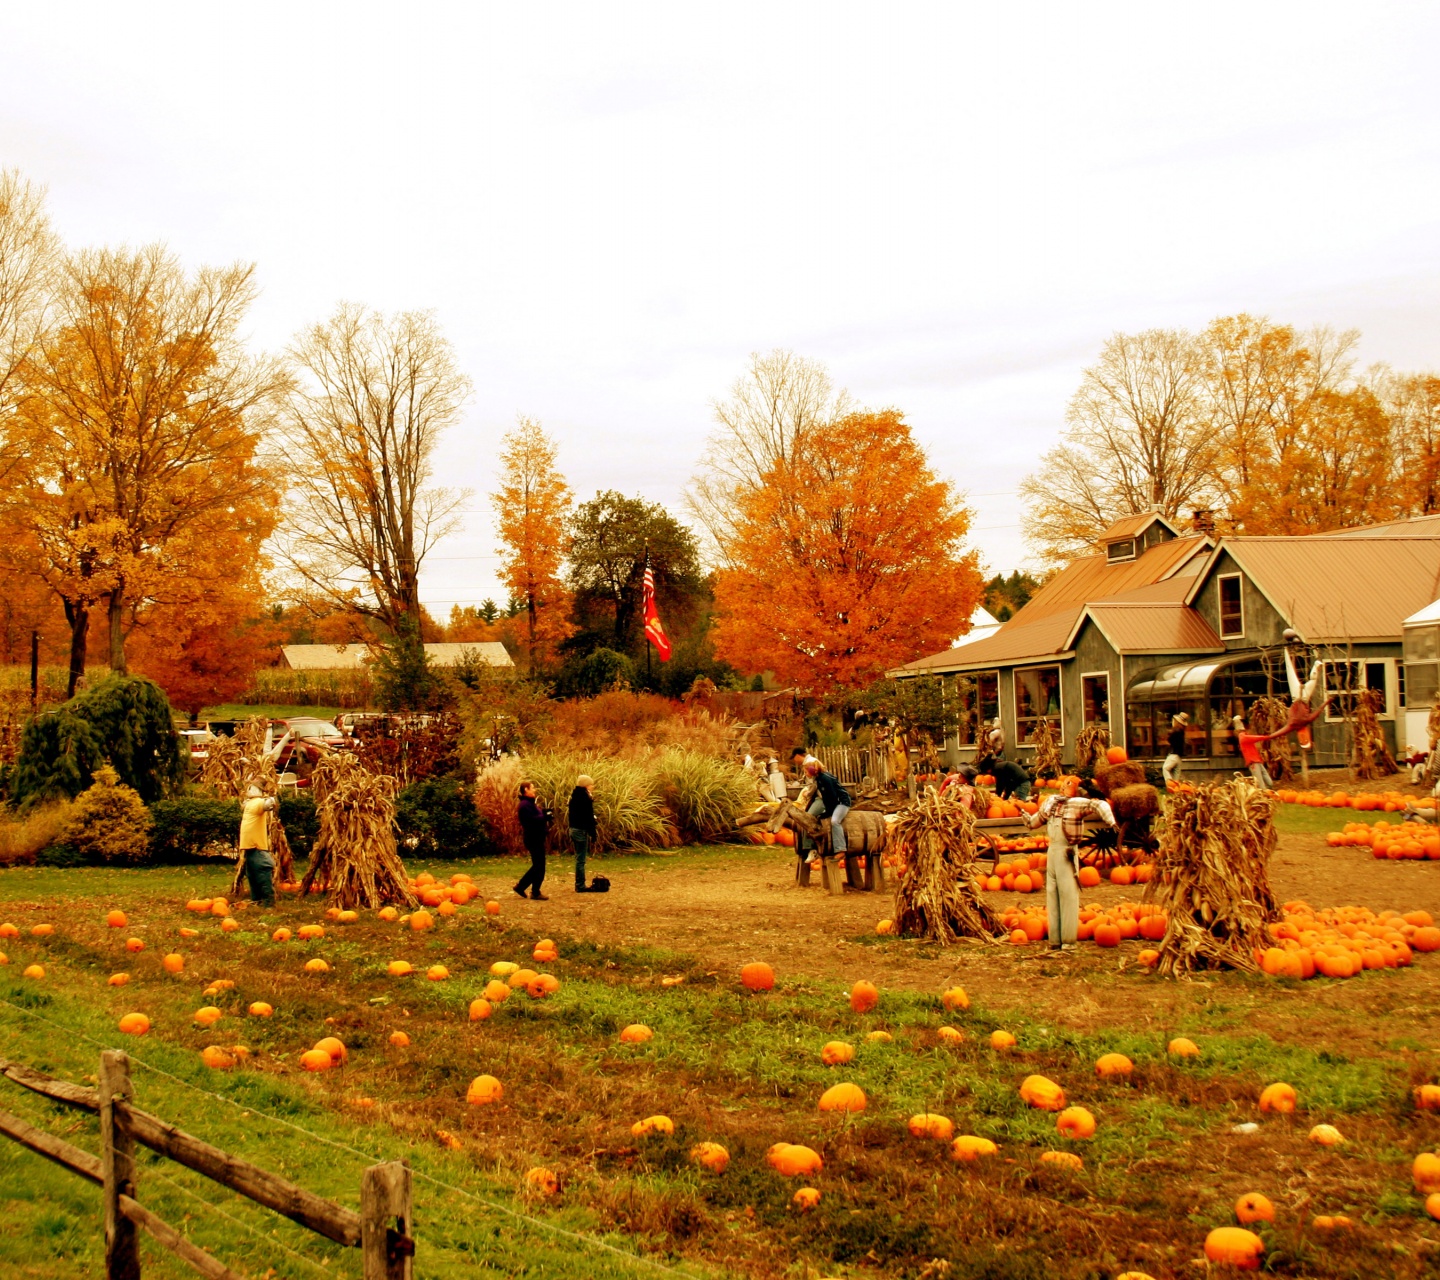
(381, 1229)
(852, 764)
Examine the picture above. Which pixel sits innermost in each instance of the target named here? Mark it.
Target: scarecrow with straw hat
(255, 855)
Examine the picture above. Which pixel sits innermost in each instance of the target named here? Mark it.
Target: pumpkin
(260, 1009)
(281, 935)
(189, 933)
(1042, 1094)
(480, 1009)
(864, 996)
(843, 1097)
(806, 1199)
(522, 978)
(134, 1024)
(1279, 1098)
(653, 1124)
(1116, 755)
(315, 1060)
(836, 1053)
(710, 1155)
(1326, 1135)
(33, 971)
(118, 979)
(967, 1148)
(791, 1160)
(400, 1040)
(542, 985)
(347, 916)
(1001, 1040)
(1180, 1047)
(437, 973)
(951, 1035)
(421, 921)
(484, 1090)
(219, 907)
(879, 1037)
(309, 932)
(173, 963)
(955, 998)
(636, 1033)
(208, 1016)
(496, 992)
(216, 1058)
(1112, 1065)
(1107, 935)
(1235, 1247)
(1254, 1208)
(1134, 1275)
(447, 909)
(42, 930)
(1425, 1173)
(1427, 1097)
(399, 968)
(1432, 1204)
(116, 919)
(388, 914)
(1075, 1123)
(504, 968)
(9, 931)
(1331, 1222)
(316, 965)
(229, 925)
(883, 927)
(333, 1047)
(542, 1181)
(757, 976)
(134, 944)
(1067, 1160)
(492, 908)
(929, 1125)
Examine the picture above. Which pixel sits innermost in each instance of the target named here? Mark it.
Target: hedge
(184, 826)
(437, 819)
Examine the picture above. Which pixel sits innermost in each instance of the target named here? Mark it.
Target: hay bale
(355, 857)
(1135, 808)
(1111, 777)
(938, 897)
(1212, 877)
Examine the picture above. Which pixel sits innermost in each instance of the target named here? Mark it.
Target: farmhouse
(350, 657)
(1158, 622)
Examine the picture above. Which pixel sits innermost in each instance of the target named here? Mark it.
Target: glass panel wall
(1037, 695)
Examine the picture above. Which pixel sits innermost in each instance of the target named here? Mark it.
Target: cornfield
(1212, 877)
(279, 686)
(355, 858)
(939, 893)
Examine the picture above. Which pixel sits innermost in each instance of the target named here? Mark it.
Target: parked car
(310, 738)
(197, 743)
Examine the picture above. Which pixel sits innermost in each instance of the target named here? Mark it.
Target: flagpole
(646, 636)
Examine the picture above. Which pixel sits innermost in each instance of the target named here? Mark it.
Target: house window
(979, 697)
(1095, 692)
(1232, 607)
(1116, 551)
(1344, 681)
(1037, 696)
(1421, 644)
(1421, 681)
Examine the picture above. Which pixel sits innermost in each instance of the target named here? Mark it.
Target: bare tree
(778, 400)
(29, 252)
(371, 398)
(1138, 439)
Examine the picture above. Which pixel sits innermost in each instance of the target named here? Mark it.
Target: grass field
(729, 1066)
(275, 711)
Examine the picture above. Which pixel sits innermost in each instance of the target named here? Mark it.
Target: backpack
(600, 885)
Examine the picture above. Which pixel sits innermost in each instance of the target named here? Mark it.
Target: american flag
(654, 629)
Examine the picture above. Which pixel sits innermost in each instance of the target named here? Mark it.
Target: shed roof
(351, 657)
(1338, 590)
(1430, 613)
(491, 652)
(1014, 642)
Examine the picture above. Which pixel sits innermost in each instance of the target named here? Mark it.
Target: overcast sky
(610, 206)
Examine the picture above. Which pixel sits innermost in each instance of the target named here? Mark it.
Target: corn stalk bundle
(1270, 715)
(1432, 730)
(1369, 756)
(938, 897)
(1047, 750)
(1090, 744)
(1212, 877)
(355, 858)
(232, 766)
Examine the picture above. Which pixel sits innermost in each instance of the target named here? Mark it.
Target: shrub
(441, 816)
(124, 722)
(597, 672)
(185, 827)
(705, 795)
(301, 822)
(23, 838)
(110, 822)
(497, 802)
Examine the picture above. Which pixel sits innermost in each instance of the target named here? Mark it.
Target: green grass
(275, 711)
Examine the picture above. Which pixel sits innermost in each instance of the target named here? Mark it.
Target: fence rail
(381, 1229)
(851, 765)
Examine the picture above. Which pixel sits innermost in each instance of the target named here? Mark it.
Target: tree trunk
(78, 616)
(117, 630)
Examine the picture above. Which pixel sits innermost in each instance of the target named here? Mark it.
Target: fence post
(117, 1166)
(385, 1200)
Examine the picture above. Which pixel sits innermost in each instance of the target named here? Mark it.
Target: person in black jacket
(533, 823)
(582, 826)
(835, 802)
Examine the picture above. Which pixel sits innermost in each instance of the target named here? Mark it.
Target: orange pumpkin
(710, 1155)
(173, 963)
(334, 1048)
(836, 1053)
(260, 1009)
(1279, 1098)
(806, 1199)
(1112, 1066)
(1235, 1247)
(955, 998)
(437, 973)
(662, 1125)
(119, 979)
(421, 921)
(1254, 1208)
(967, 1148)
(1001, 1040)
(636, 1033)
(116, 919)
(1326, 1135)
(134, 1024)
(1425, 1173)
(791, 1160)
(757, 976)
(316, 1060)
(1042, 1094)
(542, 1181)
(316, 965)
(1075, 1123)
(399, 968)
(1180, 1047)
(1067, 1160)
(864, 996)
(929, 1125)
(843, 1097)
(400, 1040)
(208, 1016)
(480, 1009)
(483, 1091)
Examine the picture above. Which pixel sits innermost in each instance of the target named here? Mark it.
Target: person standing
(583, 828)
(1176, 745)
(1064, 820)
(255, 846)
(834, 804)
(1250, 753)
(534, 824)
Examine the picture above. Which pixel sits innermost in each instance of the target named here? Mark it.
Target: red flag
(654, 628)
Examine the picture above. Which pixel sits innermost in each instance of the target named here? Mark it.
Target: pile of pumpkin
(1027, 875)
(1340, 942)
(1365, 802)
(1413, 840)
(1104, 926)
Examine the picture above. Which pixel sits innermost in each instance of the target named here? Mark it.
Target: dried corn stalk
(938, 897)
(1090, 745)
(355, 857)
(1212, 877)
(1270, 715)
(1369, 755)
(1432, 731)
(1047, 750)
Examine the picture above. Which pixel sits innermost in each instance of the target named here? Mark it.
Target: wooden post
(117, 1167)
(385, 1239)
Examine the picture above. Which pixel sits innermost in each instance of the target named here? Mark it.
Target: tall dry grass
(705, 795)
(635, 725)
(497, 800)
(22, 838)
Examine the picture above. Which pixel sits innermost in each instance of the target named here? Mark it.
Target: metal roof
(1155, 627)
(1042, 638)
(1414, 527)
(1430, 613)
(1133, 526)
(1337, 590)
(351, 657)
(1092, 578)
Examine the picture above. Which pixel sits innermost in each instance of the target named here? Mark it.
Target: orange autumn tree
(845, 560)
(532, 509)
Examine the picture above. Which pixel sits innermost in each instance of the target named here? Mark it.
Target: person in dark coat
(835, 804)
(1011, 779)
(583, 829)
(533, 824)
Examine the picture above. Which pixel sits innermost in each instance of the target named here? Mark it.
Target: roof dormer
(1131, 536)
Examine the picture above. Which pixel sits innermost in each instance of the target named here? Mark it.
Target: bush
(441, 816)
(301, 823)
(110, 822)
(183, 828)
(124, 722)
(23, 839)
(597, 672)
